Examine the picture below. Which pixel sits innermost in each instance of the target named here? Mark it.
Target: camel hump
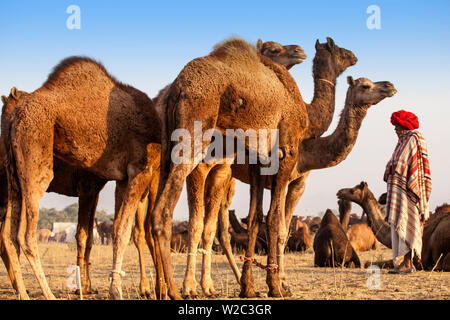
(72, 66)
(329, 218)
(236, 48)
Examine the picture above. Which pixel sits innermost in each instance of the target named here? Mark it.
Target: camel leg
(214, 193)
(224, 235)
(11, 245)
(123, 224)
(276, 224)
(85, 235)
(294, 193)
(139, 241)
(6, 261)
(195, 184)
(154, 250)
(169, 194)
(35, 177)
(255, 217)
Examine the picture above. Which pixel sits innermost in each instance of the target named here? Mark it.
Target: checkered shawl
(409, 188)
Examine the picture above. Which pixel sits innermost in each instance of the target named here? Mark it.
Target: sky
(147, 43)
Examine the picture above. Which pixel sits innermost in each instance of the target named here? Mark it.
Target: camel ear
(259, 45)
(330, 43)
(350, 81)
(13, 92)
(317, 44)
(4, 99)
(363, 185)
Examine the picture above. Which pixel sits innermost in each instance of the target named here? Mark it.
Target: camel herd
(83, 128)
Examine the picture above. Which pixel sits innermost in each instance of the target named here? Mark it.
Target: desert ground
(306, 281)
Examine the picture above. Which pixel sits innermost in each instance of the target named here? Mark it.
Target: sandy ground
(306, 282)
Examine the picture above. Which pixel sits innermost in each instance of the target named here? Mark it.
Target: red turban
(405, 119)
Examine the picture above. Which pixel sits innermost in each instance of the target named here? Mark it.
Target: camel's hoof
(280, 293)
(86, 292)
(189, 293)
(249, 293)
(145, 294)
(210, 292)
(115, 293)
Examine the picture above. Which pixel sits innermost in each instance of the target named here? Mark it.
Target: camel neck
(325, 152)
(321, 109)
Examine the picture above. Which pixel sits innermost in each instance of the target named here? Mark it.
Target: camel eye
(274, 50)
(366, 86)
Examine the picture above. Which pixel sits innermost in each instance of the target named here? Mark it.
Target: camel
(361, 195)
(314, 224)
(231, 54)
(212, 178)
(75, 182)
(359, 233)
(331, 245)
(435, 238)
(85, 117)
(105, 231)
(43, 235)
(300, 239)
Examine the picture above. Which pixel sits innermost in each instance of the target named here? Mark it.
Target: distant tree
(69, 214)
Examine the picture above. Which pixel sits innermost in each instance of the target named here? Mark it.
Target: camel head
(287, 56)
(363, 92)
(356, 194)
(10, 102)
(331, 60)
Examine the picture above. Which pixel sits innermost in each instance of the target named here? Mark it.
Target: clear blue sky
(147, 43)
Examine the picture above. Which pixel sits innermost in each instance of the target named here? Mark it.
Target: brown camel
(436, 240)
(314, 224)
(212, 178)
(85, 117)
(76, 182)
(331, 245)
(361, 195)
(327, 54)
(359, 233)
(300, 239)
(69, 181)
(105, 231)
(43, 235)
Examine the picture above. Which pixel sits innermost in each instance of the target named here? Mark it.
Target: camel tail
(14, 190)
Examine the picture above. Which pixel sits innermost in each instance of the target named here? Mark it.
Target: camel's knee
(81, 237)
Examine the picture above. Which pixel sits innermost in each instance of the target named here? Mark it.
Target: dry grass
(306, 282)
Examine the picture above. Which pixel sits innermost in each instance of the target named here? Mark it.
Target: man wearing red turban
(408, 190)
